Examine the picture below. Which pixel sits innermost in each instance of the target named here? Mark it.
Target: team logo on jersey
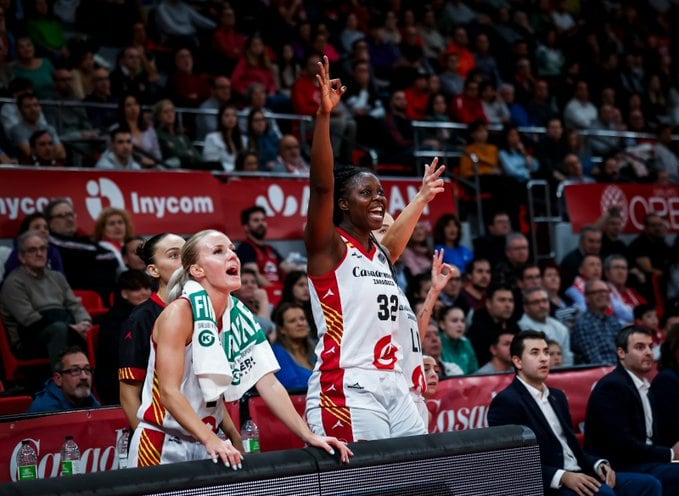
(418, 379)
(211, 422)
(330, 292)
(206, 338)
(385, 354)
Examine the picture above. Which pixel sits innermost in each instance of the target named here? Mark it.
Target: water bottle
(27, 461)
(122, 447)
(70, 457)
(250, 436)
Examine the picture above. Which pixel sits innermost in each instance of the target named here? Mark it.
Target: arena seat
(92, 302)
(13, 405)
(92, 344)
(10, 363)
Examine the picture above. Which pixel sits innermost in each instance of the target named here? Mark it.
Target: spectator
(20, 134)
(86, 264)
(525, 402)
(10, 115)
(384, 55)
(665, 391)
(491, 321)
(517, 253)
(447, 237)
(263, 140)
(177, 22)
(254, 67)
(485, 61)
(515, 160)
(604, 145)
(84, 67)
(400, 137)
(40, 312)
(467, 106)
(119, 155)
(290, 158)
(227, 142)
(184, 87)
(256, 299)
(417, 97)
(363, 100)
(255, 253)
(593, 336)
(176, 148)
(560, 306)
(130, 256)
(129, 77)
(46, 30)
(293, 346)
(573, 171)
(221, 95)
(351, 32)
(144, 137)
(34, 222)
(518, 116)
(452, 84)
(247, 161)
(296, 291)
(649, 252)
(133, 288)
(431, 345)
(228, 42)
(256, 100)
(71, 121)
(455, 347)
(589, 243)
(478, 278)
(416, 257)
(70, 387)
(551, 151)
(590, 269)
(286, 70)
(611, 227)
(623, 299)
(39, 71)
(619, 423)
(111, 228)
(147, 48)
(433, 41)
(101, 118)
(43, 151)
(555, 354)
(666, 160)
(542, 108)
(494, 108)
(536, 317)
(459, 45)
(501, 361)
(491, 245)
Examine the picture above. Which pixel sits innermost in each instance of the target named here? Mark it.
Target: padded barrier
(493, 461)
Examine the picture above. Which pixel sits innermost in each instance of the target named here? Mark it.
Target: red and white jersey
(410, 344)
(153, 413)
(356, 310)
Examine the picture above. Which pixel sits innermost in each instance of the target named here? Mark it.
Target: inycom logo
(97, 190)
(275, 203)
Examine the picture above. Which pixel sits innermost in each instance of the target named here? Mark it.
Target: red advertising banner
(587, 202)
(183, 202)
(460, 403)
(286, 201)
(180, 201)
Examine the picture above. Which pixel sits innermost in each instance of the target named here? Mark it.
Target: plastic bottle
(70, 457)
(27, 461)
(250, 436)
(122, 447)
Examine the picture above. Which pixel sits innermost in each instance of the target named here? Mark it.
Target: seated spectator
(604, 145)
(551, 151)
(351, 33)
(20, 134)
(590, 269)
(649, 252)
(290, 158)
(86, 264)
(400, 136)
(593, 336)
(293, 346)
(477, 280)
(111, 228)
(431, 345)
(611, 228)
(573, 171)
(416, 257)
(39, 71)
(43, 151)
(491, 245)
(510, 270)
(256, 100)
(247, 162)
(621, 417)
(579, 112)
(500, 362)
(555, 354)
(417, 96)
(363, 100)
(254, 67)
(286, 70)
(10, 114)
(46, 30)
(178, 21)
(467, 107)
(666, 160)
(226, 143)
(455, 347)
(184, 87)
(176, 148)
(221, 95)
(494, 108)
(147, 48)
(133, 289)
(452, 84)
(144, 137)
(130, 256)
(459, 45)
(542, 106)
(589, 243)
(129, 77)
(228, 42)
(34, 222)
(560, 306)
(101, 118)
(256, 299)
(447, 237)
(491, 321)
(518, 115)
(262, 139)
(516, 161)
(576, 146)
(536, 317)
(70, 387)
(623, 299)
(665, 391)
(296, 290)
(84, 69)
(39, 310)
(119, 155)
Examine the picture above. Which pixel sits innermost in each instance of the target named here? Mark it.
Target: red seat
(12, 405)
(92, 302)
(273, 435)
(93, 344)
(10, 363)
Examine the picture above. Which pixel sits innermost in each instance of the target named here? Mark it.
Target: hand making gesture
(331, 89)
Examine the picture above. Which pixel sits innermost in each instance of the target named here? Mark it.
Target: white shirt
(570, 463)
(554, 330)
(642, 386)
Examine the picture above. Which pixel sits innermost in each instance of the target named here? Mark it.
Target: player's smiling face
(366, 203)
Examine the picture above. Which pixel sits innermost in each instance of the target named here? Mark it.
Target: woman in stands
(176, 148)
(296, 290)
(262, 139)
(144, 138)
(293, 346)
(161, 256)
(181, 409)
(357, 389)
(225, 144)
(111, 229)
(561, 307)
(447, 237)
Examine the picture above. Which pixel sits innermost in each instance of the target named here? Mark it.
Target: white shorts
(149, 447)
(386, 410)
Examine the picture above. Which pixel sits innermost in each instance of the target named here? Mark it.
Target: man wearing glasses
(70, 386)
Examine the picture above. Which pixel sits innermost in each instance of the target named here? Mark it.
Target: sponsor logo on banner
(614, 197)
(277, 203)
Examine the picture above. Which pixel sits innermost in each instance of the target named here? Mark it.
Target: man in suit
(566, 469)
(619, 423)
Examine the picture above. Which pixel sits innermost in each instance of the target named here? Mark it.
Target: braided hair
(344, 176)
